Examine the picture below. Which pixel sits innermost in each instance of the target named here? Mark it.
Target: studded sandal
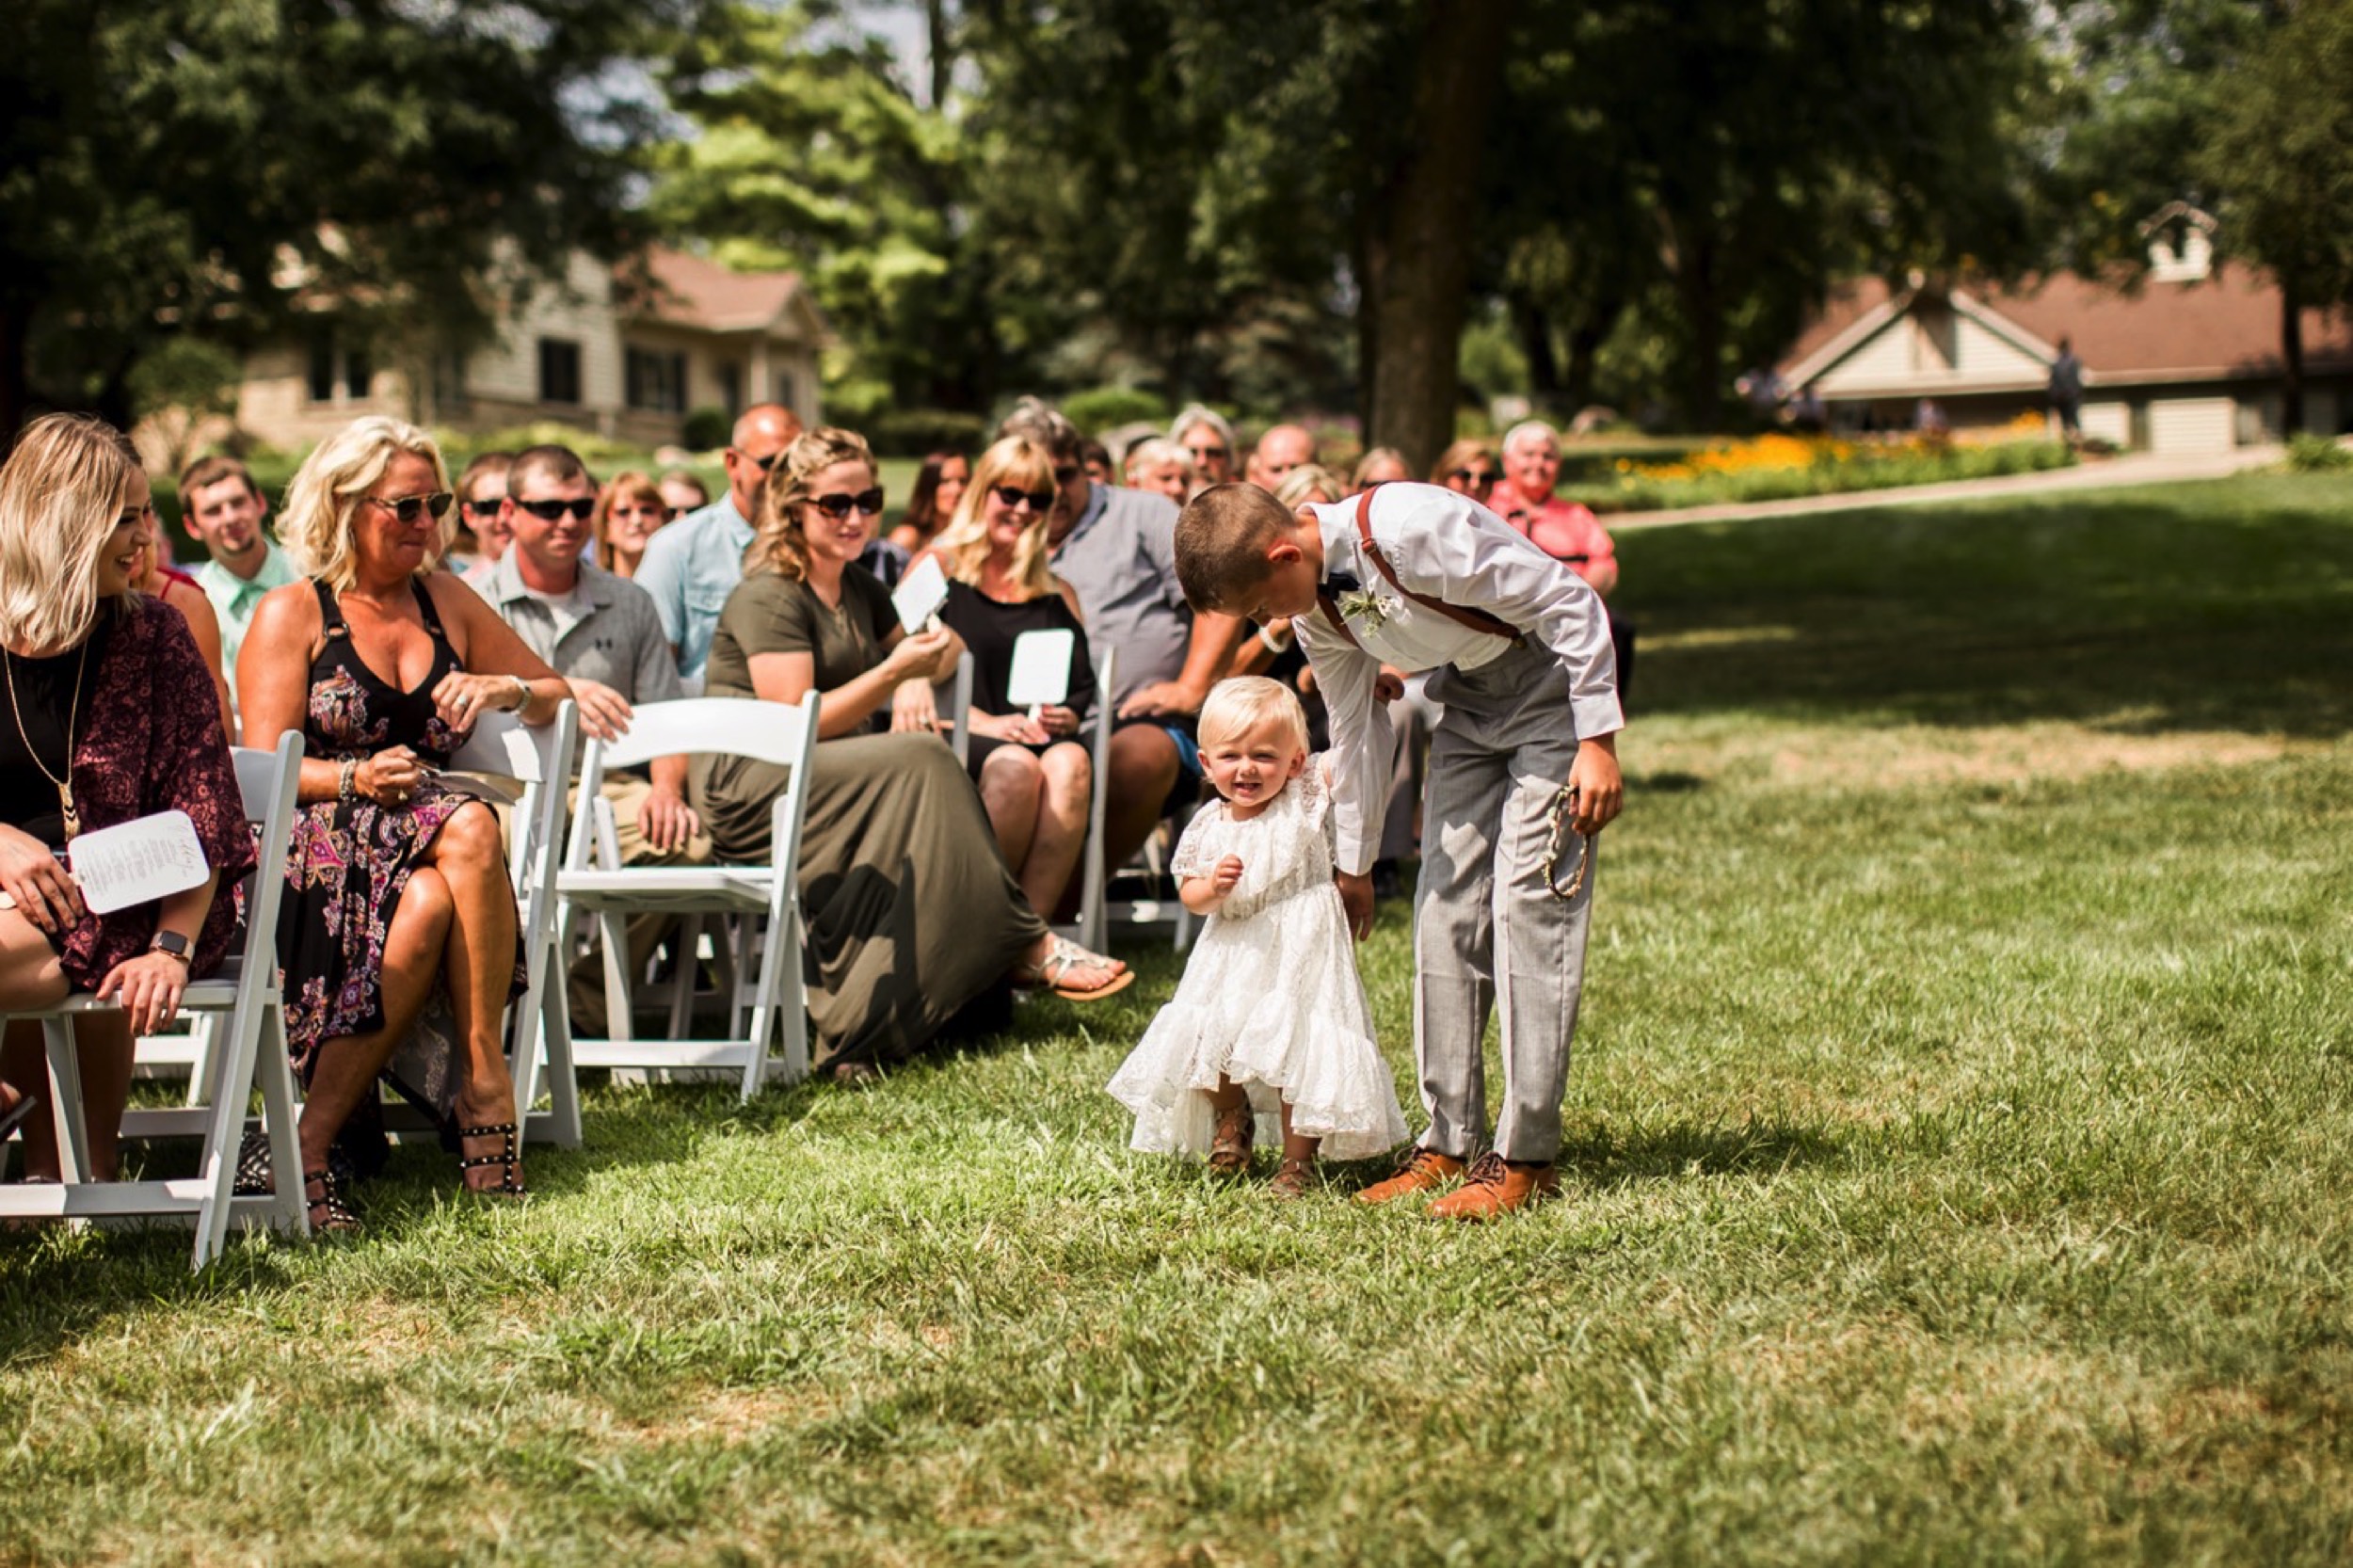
(511, 1183)
(330, 1210)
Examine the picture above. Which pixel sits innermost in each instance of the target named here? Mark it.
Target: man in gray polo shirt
(1118, 550)
(602, 632)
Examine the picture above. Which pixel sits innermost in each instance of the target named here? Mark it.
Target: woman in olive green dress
(911, 911)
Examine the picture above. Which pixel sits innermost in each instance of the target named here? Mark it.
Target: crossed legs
(456, 913)
(1038, 803)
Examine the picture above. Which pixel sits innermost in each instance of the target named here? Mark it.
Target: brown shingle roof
(2225, 326)
(692, 292)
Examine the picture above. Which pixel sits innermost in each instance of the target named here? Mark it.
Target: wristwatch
(172, 943)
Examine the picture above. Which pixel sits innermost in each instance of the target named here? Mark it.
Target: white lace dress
(1269, 996)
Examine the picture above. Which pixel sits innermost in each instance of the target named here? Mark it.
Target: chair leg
(204, 1032)
(230, 1087)
(278, 1118)
(555, 1024)
(792, 1000)
(65, 1078)
(615, 931)
(687, 945)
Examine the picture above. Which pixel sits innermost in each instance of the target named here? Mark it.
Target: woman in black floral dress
(399, 932)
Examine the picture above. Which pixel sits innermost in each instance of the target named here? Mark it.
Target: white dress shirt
(1443, 544)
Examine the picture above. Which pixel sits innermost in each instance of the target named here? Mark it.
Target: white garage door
(2192, 424)
(2109, 422)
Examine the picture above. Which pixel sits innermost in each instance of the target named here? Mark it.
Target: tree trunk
(1704, 317)
(1535, 334)
(1585, 341)
(1417, 231)
(943, 56)
(2290, 359)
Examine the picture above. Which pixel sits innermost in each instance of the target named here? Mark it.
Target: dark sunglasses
(409, 507)
(1473, 477)
(1014, 495)
(867, 502)
(484, 508)
(764, 464)
(671, 514)
(548, 511)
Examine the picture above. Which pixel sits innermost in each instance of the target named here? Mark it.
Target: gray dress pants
(1487, 930)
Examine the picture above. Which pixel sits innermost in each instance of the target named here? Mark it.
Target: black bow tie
(1336, 582)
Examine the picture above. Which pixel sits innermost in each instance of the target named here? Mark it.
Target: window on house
(321, 378)
(359, 373)
(657, 380)
(559, 370)
(731, 388)
(337, 373)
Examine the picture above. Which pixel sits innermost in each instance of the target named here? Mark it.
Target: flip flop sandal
(1062, 956)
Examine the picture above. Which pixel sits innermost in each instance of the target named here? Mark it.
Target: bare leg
(1143, 769)
(1010, 782)
(1295, 1147)
(1061, 824)
(346, 1067)
(30, 976)
(480, 955)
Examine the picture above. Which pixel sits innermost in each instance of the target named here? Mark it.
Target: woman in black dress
(398, 931)
(1034, 771)
(110, 715)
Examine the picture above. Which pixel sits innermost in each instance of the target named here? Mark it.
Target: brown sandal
(1229, 1147)
(1296, 1179)
(1063, 955)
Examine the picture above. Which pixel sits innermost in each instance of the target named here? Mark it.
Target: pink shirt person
(1567, 531)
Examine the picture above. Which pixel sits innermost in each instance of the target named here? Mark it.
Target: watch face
(172, 943)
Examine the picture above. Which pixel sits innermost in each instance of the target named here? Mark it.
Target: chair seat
(669, 889)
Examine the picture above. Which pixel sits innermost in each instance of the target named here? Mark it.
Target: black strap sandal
(511, 1183)
(330, 1211)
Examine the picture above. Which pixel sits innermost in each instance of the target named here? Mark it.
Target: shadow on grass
(1602, 1158)
(2209, 606)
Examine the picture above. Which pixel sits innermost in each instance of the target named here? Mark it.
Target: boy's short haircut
(1223, 535)
(558, 465)
(1245, 701)
(207, 471)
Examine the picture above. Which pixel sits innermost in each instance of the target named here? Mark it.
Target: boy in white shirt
(1523, 765)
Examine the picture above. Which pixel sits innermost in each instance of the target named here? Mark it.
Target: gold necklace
(65, 786)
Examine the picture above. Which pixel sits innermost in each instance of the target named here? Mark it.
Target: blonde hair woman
(397, 933)
(1034, 772)
(910, 909)
(111, 715)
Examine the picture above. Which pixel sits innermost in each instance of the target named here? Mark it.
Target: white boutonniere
(1362, 604)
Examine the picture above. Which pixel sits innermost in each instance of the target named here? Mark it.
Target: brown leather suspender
(1477, 621)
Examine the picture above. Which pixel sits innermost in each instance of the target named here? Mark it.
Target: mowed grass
(1959, 1171)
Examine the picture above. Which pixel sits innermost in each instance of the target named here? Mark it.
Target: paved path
(2140, 468)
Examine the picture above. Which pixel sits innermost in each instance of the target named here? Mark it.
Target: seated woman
(628, 510)
(910, 910)
(398, 931)
(156, 578)
(1035, 774)
(112, 717)
(940, 487)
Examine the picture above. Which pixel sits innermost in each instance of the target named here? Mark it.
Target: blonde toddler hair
(316, 526)
(61, 494)
(1246, 702)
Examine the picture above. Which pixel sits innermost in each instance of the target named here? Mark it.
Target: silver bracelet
(523, 692)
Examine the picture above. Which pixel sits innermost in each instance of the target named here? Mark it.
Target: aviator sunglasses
(548, 511)
(837, 507)
(1014, 495)
(409, 507)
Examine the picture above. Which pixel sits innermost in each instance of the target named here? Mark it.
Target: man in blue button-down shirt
(692, 565)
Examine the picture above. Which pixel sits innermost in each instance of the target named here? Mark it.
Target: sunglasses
(548, 511)
(1203, 453)
(409, 507)
(1473, 477)
(763, 464)
(1011, 496)
(488, 509)
(870, 502)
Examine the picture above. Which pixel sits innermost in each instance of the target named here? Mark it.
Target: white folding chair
(957, 694)
(771, 732)
(251, 1052)
(1102, 905)
(538, 1034)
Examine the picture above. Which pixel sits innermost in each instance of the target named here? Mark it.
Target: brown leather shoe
(1229, 1148)
(1498, 1186)
(1421, 1171)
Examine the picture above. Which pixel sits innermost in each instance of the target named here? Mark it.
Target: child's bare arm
(1202, 894)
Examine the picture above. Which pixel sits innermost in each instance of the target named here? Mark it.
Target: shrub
(707, 429)
(1103, 408)
(913, 432)
(2310, 454)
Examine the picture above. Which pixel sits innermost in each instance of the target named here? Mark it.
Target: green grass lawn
(1959, 1170)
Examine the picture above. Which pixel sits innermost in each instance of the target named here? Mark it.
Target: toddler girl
(1269, 1027)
